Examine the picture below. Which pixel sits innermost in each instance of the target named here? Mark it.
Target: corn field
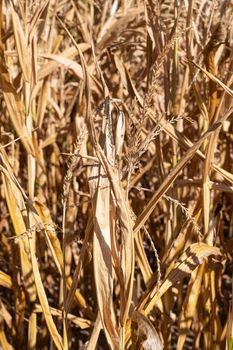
(116, 174)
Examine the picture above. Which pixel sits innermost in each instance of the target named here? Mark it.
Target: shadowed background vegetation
(116, 162)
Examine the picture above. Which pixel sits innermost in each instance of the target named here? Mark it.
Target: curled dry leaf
(68, 54)
(104, 240)
(189, 260)
(103, 210)
(143, 334)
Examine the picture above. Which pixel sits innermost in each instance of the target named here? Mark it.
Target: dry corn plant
(116, 162)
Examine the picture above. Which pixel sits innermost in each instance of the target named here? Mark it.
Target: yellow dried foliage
(116, 165)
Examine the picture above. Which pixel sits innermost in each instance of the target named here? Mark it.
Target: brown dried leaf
(172, 176)
(189, 260)
(30, 269)
(22, 46)
(70, 53)
(5, 280)
(70, 64)
(102, 252)
(189, 305)
(17, 211)
(103, 240)
(144, 335)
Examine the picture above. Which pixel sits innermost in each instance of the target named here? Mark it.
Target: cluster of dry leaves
(116, 162)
